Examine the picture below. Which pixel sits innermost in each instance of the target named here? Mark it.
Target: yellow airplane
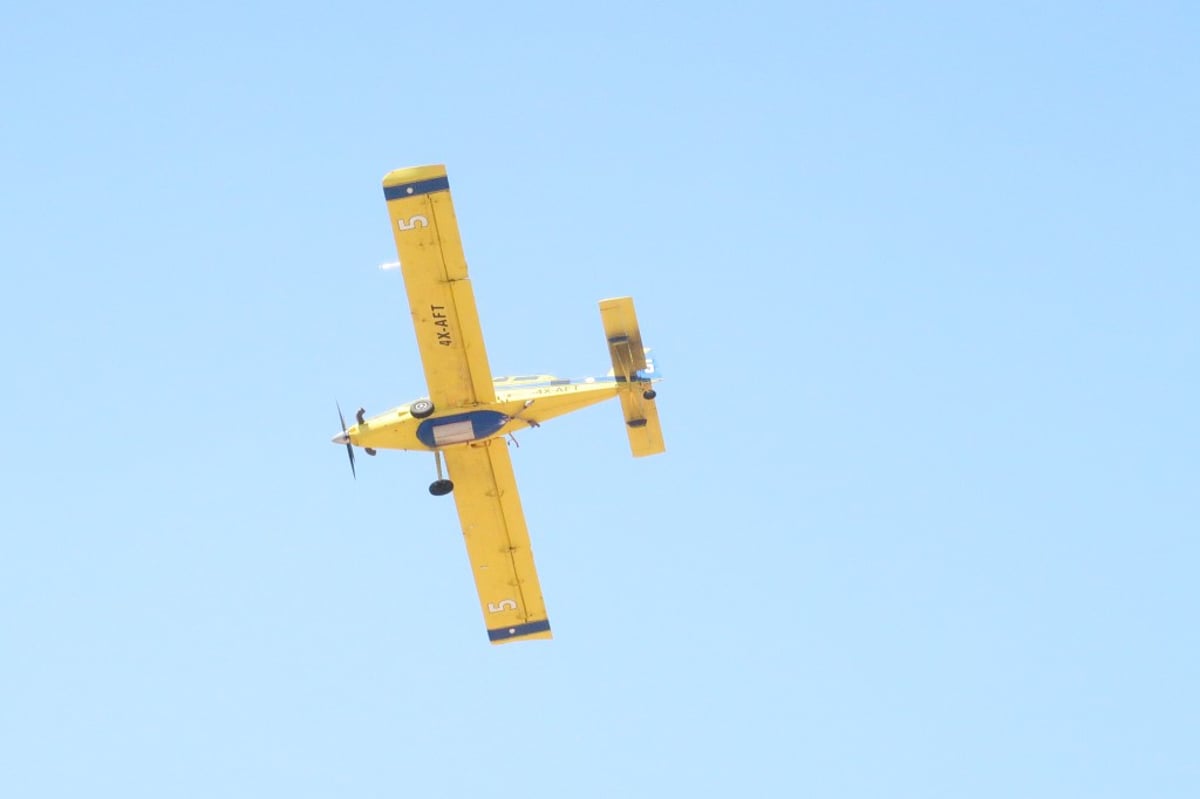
(468, 413)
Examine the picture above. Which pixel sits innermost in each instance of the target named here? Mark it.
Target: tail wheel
(420, 409)
(439, 488)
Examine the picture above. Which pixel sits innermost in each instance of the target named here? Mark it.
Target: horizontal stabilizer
(624, 337)
(641, 423)
(630, 368)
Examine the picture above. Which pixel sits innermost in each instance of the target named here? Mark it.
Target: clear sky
(924, 279)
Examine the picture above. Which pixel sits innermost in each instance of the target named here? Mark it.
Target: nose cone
(341, 438)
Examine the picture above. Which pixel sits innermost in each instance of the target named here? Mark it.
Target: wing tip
(520, 632)
(412, 174)
(616, 302)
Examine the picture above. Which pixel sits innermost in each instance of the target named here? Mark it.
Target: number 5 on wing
(502, 605)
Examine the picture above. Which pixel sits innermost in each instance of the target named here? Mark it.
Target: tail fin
(634, 371)
(651, 371)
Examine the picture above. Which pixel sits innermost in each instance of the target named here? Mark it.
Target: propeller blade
(349, 447)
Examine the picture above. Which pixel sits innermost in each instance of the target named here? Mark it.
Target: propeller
(349, 446)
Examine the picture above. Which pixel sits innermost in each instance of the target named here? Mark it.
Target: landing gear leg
(440, 487)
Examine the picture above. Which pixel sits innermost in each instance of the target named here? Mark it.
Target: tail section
(651, 371)
(634, 371)
(641, 424)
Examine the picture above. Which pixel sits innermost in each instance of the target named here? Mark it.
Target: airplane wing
(439, 292)
(493, 525)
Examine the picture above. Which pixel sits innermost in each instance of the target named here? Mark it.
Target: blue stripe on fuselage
(413, 189)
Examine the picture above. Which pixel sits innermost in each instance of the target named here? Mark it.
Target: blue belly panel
(461, 427)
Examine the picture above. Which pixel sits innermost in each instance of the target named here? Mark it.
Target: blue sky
(922, 278)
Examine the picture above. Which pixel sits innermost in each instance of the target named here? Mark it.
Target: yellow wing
(493, 525)
(439, 292)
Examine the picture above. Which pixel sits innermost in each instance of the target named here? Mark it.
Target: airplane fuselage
(521, 402)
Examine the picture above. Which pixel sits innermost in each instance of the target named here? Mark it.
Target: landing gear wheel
(440, 488)
(420, 409)
(649, 394)
(368, 450)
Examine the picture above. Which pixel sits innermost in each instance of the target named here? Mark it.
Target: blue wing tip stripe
(413, 189)
(502, 633)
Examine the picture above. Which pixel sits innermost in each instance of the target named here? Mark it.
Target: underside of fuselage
(521, 403)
